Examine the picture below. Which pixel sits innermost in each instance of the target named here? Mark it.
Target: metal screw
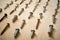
(56, 12)
(44, 9)
(17, 5)
(6, 6)
(30, 2)
(50, 31)
(31, 15)
(8, 25)
(54, 19)
(0, 10)
(11, 3)
(38, 1)
(22, 2)
(41, 15)
(38, 21)
(33, 33)
(12, 11)
(51, 28)
(16, 32)
(35, 7)
(21, 11)
(23, 24)
(15, 18)
(5, 16)
(26, 5)
(46, 3)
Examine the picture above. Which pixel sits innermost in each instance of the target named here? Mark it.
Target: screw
(41, 15)
(26, 5)
(15, 18)
(44, 9)
(50, 31)
(22, 2)
(6, 6)
(51, 28)
(0, 10)
(12, 11)
(58, 5)
(35, 7)
(56, 12)
(30, 2)
(54, 19)
(8, 25)
(33, 33)
(23, 24)
(5, 16)
(38, 1)
(46, 3)
(21, 11)
(31, 15)
(16, 32)
(17, 5)
(11, 3)
(38, 21)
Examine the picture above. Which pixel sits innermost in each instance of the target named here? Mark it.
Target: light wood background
(25, 33)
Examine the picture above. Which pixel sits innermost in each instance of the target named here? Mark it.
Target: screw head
(32, 30)
(51, 26)
(5, 14)
(0, 9)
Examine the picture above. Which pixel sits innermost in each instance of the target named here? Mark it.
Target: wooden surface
(25, 33)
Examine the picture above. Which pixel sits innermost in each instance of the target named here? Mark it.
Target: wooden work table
(41, 33)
